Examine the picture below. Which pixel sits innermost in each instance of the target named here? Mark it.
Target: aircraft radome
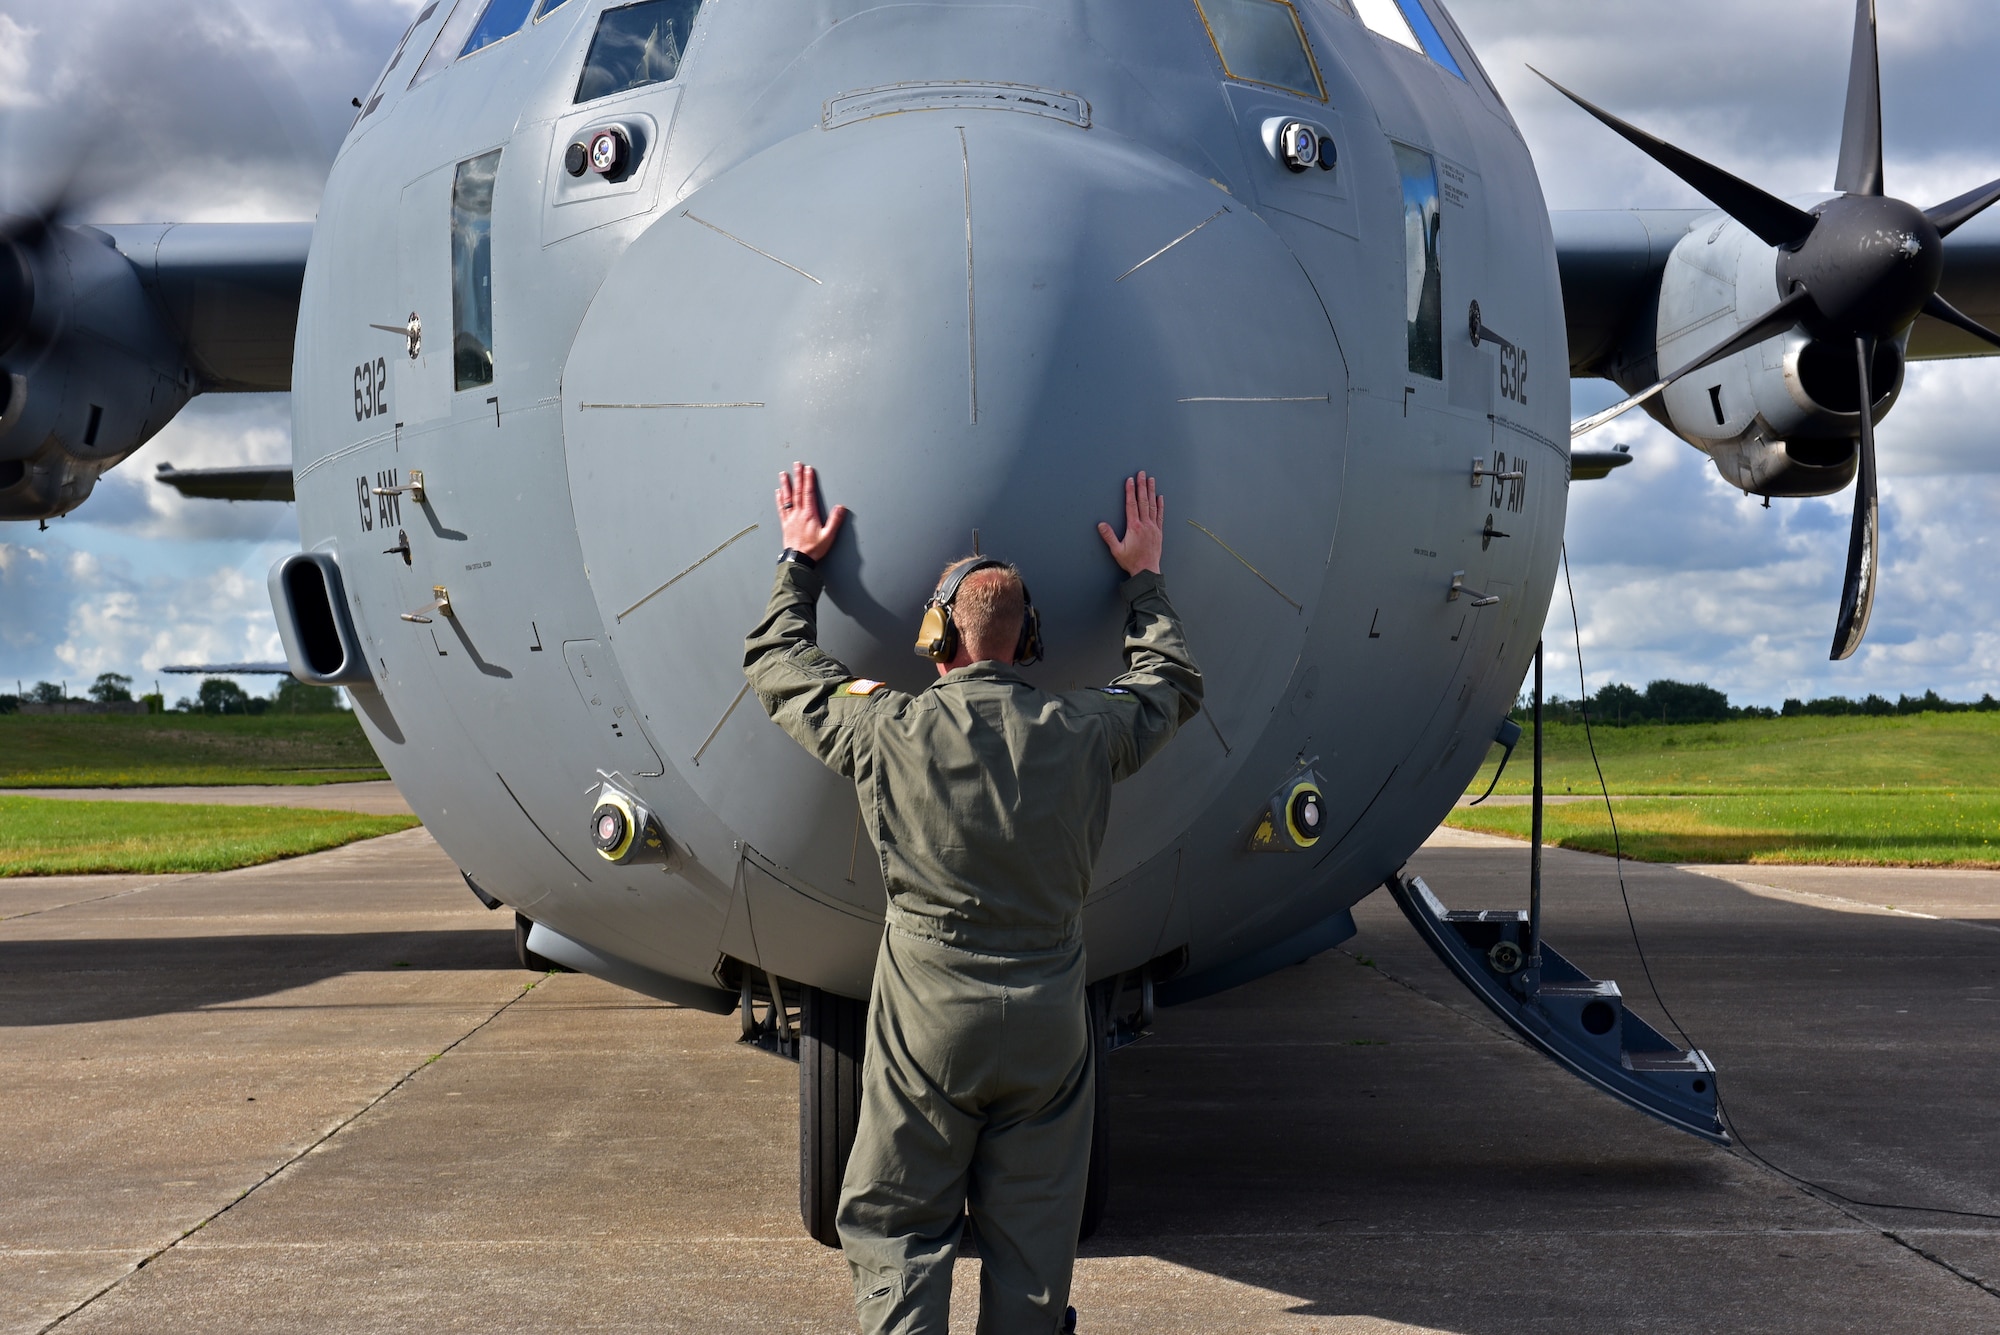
(587, 274)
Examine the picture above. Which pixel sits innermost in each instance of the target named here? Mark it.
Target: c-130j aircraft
(587, 273)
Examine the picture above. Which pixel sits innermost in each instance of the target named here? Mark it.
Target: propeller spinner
(1856, 272)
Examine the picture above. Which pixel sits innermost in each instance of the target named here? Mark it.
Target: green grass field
(146, 751)
(1902, 830)
(52, 836)
(1921, 790)
(1756, 757)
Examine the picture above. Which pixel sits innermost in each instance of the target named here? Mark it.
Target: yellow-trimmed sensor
(1305, 813)
(1294, 819)
(613, 826)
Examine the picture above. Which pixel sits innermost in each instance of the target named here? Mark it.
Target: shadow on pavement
(86, 981)
(1357, 1133)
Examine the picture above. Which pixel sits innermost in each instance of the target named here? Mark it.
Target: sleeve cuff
(1141, 584)
(799, 578)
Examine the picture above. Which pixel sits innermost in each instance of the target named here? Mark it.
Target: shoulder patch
(1111, 690)
(861, 686)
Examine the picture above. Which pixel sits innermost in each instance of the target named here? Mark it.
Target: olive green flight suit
(986, 798)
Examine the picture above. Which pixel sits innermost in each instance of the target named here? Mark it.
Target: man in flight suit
(986, 798)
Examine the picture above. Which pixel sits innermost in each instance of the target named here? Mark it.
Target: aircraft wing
(105, 332)
(264, 482)
(230, 292)
(1612, 261)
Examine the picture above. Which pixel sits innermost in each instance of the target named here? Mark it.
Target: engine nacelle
(1779, 419)
(90, 369)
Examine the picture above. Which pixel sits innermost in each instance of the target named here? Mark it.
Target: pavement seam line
(1481, 1018)
(286, 1166)
(97, 899)
(1869, 1224)
(1839, 902)
(1866, 1223)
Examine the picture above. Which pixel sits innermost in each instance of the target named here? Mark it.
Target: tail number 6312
(371, 389)
(1514, 373)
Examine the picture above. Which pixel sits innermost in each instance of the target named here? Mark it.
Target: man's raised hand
(1145, 520)
(798, 513)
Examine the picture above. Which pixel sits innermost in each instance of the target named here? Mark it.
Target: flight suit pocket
(877, 1294)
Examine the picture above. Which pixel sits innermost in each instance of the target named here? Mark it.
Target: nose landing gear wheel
(832, 1033)
(1097, 1183)
(529, 959)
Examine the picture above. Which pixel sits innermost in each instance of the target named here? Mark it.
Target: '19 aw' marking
(385, 510)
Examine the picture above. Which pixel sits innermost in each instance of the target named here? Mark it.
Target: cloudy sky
(231, 109)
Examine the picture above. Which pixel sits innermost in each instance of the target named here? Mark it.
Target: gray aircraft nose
(976, 325)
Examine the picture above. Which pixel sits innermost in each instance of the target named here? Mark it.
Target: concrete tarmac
(376, 797)
(318, 1096)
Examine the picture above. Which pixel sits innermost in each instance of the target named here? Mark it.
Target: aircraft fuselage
(977, 262)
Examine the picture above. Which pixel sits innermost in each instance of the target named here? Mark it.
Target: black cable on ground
(1617, 845)
(1618, 862)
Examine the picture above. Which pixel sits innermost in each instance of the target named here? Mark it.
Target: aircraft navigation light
(609, 150)
(1299, 145)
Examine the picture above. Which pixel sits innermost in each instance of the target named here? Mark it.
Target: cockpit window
(472, 271)
(1260, 41)
(1406, 23)
(1423, 289)
(636, 45)
(375, 98)
(549, 7)
(450, 36)
(500, 19)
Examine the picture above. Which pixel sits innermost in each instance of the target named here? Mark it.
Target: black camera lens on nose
(607, 828)
(576, 159)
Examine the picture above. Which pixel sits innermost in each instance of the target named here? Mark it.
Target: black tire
(529, 959)
(832, 1036)
(1097, 1182)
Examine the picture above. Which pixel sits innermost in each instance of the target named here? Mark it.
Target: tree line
(215, 695)
(1618, 705)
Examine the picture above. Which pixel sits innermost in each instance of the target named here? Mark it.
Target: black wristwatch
(797, 558)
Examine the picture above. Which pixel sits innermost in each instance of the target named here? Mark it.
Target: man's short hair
(988, 611)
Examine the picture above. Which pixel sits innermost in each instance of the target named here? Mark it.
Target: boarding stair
(1579, 1021)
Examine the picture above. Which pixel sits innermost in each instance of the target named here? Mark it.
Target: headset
(937, 637)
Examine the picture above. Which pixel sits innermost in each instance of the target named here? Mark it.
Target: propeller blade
(1772, 322)
(1861, 133)
(17, 297)
(1774, 221)
(1940, 309)
(25, 233)
(1857, 594)
(1948, 217)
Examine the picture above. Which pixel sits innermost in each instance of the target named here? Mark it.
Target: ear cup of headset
(937, 638)
(1029, 649)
